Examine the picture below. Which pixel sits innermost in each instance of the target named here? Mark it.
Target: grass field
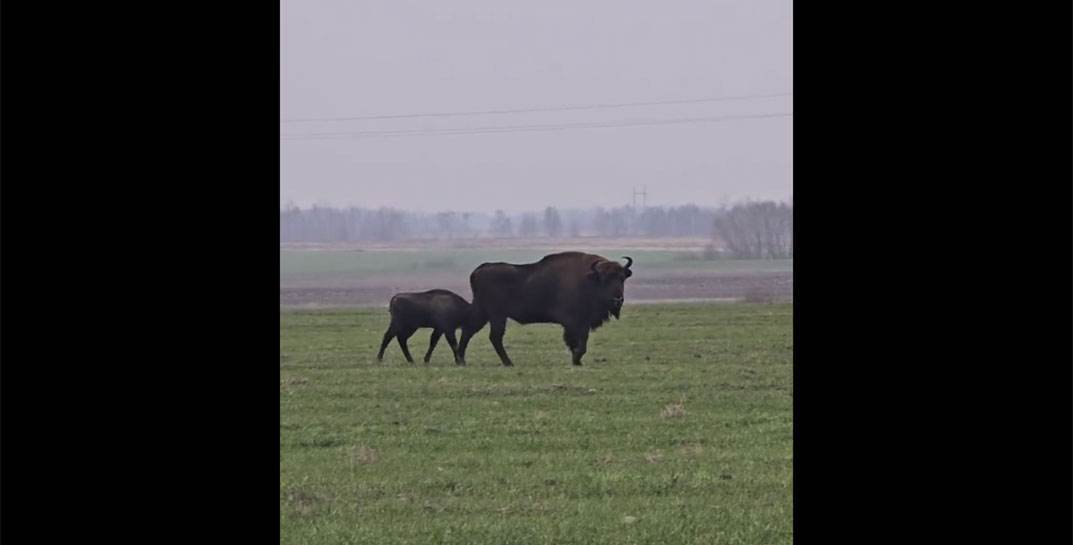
(677, 430)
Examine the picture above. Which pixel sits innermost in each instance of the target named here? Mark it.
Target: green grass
(542, 452)
(314, 264)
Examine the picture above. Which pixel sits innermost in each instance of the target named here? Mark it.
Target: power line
(530, 110)
(522, 128)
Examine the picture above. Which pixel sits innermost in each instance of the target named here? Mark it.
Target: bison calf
(442, 310)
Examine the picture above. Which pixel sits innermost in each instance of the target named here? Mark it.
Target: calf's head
(608, 279)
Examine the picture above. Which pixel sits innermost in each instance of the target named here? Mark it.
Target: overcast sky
(360, 58)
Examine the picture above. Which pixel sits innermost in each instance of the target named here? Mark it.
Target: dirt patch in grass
(674, 410)
(364, 455)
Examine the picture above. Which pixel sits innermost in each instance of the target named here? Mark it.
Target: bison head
(608, 279)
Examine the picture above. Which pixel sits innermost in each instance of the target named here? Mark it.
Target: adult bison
(575, 290)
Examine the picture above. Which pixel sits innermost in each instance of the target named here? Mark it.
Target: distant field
(353, 276)
(677, 430)
(297, 264)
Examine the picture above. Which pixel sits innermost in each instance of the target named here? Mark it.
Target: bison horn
(594, 266)
(629, 261)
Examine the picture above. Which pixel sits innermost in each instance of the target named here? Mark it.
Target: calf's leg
(432, 343)
(388, 335)
(403, 336)
(468, 331)
(450, 335)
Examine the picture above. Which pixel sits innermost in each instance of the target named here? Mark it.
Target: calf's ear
(628, 273)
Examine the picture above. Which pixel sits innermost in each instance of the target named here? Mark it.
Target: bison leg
(453, 343)
(432, 343)
(403, 336)
(499, 328)
(569, 339)
(387, 339)
(580, 346)
(468, 331)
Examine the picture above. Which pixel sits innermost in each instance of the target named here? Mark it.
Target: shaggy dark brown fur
(576, 290)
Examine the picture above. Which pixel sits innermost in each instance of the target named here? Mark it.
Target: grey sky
(346, 58)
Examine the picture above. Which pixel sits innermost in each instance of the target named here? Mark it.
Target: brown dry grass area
(664, 285)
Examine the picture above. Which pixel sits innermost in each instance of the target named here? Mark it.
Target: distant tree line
(324, 224)
(754, 229)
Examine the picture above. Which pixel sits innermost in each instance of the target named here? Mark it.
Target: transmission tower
(644, 196)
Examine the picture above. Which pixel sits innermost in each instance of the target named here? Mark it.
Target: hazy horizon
(520, 211)
(340, 60)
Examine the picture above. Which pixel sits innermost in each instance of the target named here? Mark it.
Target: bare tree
(501, 226)
(757, 230)
(447, 222)
(575, 228)
(601, 222)
(553, 224)
(621, 220)
(528, 227)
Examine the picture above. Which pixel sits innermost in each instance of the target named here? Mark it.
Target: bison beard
(603, 315)
(578, 291)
